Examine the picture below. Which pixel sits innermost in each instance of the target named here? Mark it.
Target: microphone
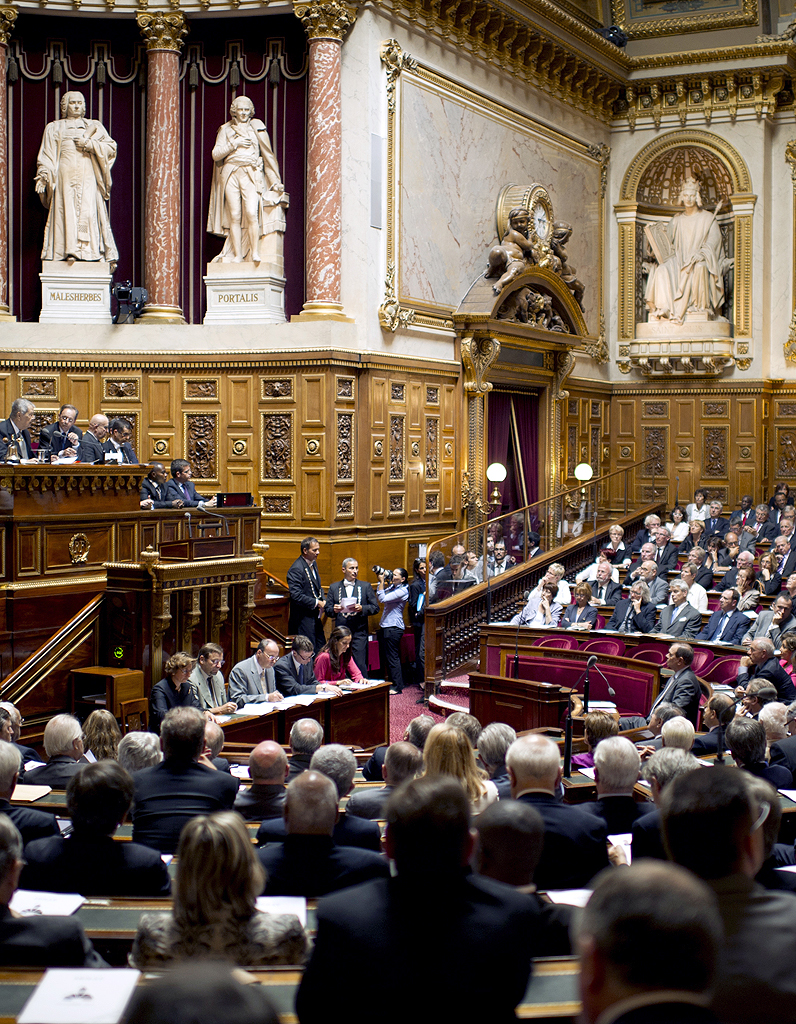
(207, 512)
(591, 663)
(190, 530)
(525, 597)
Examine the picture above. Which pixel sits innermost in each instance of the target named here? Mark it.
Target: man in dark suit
(744, 560)
(91, 442)
(760, 663)
(89, 861)
(665, 552)
(26, 753)
(492, 744)
(62, 437)
(720, 707)
(660, 769)
(646, 535)
(774, 623)
(745, 514)
(785, 556)
(178, 788)
(746, 740)
(784, 751)
(118, 443)
(403, 761)
(265, 798)
(635, 613)
(575, 839)
(304, 859)
(354, 616)
(32, 824)
(181, 487)
(715, 522)
(474, 921)
(15, 429)
(679, 618)
(153, 489)
(294, 673)
(63, 743)
(757, 530)
(682, 690)
(306, 594)
(253, 680)
(35, 941)
(306, 735)
(677, 917)
(726, 625)
(604, 590)
(616, 768)
(416, 733)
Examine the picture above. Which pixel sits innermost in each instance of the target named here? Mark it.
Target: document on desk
(68, 995)
(30, 793)
(570, 897)
(29, 903)
(260, 708)
(284, 905)
(301, 700)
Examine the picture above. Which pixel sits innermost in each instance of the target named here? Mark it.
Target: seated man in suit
(726, 625)
(214, 744)
(492, 744)
(575, 847)
(306, 735)
(616, 770)
(647, 535)
(745, 514)
(294, 673)
(253, 681)
(720, 708)
(180, 487)
(634, 613)
(761, 664)
(93, 439)
(265, 798)
(62, 437)
(476, 921)
(307, 861)
(679, 618)
(118, 443)
(403, 761)
(759, 530)
(63, 744)
(35, 941)
(153, 489)
(773, 624)
(657, 583)
(32, 824)
(15, 430)
(648, 907)
(89, 861)
(354, 616)
(660, 770)
(178, 788)
(208, 681)
(785, 556)
(604, 590)
(746, 740)
(703, 574)
(27, 753)
(743, 560)
(682, 689)
(665, 552)
(416, 733)
(715, 522)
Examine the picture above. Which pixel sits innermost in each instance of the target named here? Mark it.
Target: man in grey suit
(294, 672)
(772, 624)
(208, 682)
(253, 681)
(679, 618)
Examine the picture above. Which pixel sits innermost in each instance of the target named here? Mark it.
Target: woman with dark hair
(748, 589)
(677, 525)
(698, 508)
(334, 661)
(174, 690)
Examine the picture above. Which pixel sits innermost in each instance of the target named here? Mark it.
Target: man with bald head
(268, 770)
(252, 681)
(91, 442)
(308, 863)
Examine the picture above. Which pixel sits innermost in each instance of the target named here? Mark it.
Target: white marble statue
(73, 178)
(247, 197)
(689, 275)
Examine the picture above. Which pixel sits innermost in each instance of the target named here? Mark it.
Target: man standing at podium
(306, 594)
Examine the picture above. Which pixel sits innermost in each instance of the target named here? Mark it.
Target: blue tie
(301, 675)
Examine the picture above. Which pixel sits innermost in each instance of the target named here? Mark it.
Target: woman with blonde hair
(174, 690)
(449, 752)
(101, 735)
(214, 915)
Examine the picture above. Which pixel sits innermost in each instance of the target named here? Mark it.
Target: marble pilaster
(326, 22)
(7, 18)
(164, 35)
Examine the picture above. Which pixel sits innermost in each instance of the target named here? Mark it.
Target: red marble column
(7, 18)
(326, 22)
(164, 34)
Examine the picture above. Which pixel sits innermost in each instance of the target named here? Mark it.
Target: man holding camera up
(393, 597)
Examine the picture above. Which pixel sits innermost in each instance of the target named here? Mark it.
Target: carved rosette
(325, 19)
(162, 31)
(395, 61)
(7, 18)
(478, 354)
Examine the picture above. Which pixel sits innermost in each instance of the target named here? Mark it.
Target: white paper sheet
(58, 904)
(68, 995)
(260, 708)
(570, 897)
(284, 905)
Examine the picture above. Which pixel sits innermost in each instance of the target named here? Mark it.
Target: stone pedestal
(245, 293)
(76, 294)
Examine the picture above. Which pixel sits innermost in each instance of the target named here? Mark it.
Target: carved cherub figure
(514, 254)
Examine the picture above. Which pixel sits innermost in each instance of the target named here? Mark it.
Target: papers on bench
(240, 771)
(262, 707)
(569, 897)
(27, 794)
(67, 995)
(789, 793)
(284, 905)
(588, 772)
(54, 904)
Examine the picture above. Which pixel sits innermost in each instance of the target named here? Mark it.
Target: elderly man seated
(63, 742)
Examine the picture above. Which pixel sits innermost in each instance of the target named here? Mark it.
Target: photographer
(391, 627)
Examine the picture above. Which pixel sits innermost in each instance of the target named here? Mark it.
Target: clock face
(541, 224)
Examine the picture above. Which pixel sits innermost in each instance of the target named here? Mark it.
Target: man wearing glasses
(208, 682)
(252, 681)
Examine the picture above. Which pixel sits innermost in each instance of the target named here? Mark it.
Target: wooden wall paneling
(239, 405)
(240, 479)
(313, 400)
(56, 554)
(163, 404)
(313, 494)
(121, 387)
(746, 417)
(415, 403)
(28, 551)
(378, 492)
(126, 543)
(81, 390)
(378, 401)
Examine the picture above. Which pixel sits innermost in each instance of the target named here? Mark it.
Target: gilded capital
(162, 31)
(7, 18)
(325, 19)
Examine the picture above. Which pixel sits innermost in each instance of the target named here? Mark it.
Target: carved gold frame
(645, 28)
(742, 201)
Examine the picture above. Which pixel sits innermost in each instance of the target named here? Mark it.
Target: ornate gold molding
(789, 347)
(391, 314)
(325, 19)
(478, 354)
(8, 16)
(394, 60)
(649, 27)
(163, 31)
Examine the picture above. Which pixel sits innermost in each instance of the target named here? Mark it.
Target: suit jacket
(368, 803)
(587, 614)
(297, 764)
(53, 437)
(641, 622)
(94, 866)
(687, 624)
(212, 694)
(312, 866)
(90, 449)
(31, 824)
(647, 839)
(128, 455)
(748, 541)
(667, 559)
(175, 490)
(45, 942)
(574, 847)
(260, 802)
(762, 625)
(613, 592)
(684, 691)
(773, 672)
(619, 813)
(476, 922)
(642, 537)
(790, 565)
(783, 752)
(304, 594)
(416, 588)
(287, 681)
(170, 794)
(244, 682)
(8, 431)
(704, 577)
(706, 743)
(778, 775)
(366, 597)
(56, 773)
(720, 526)
(350, 830)
(149, 489)
(659, 590)
(164, 697)
(737, 624)
(371, 770)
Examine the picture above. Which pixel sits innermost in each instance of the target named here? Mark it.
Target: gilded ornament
(162, 31)
(7, 18)
(478, 354)
(391, 314)
(240, 447)
(79, 548)
(378, 449)
(395, 61)
(325, 19)
(313, 446)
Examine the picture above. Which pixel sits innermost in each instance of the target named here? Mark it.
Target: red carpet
(404, 706)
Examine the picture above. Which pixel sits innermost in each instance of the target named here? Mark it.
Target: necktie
(185, 491)
(627, 618)
(301, 675)
(713, 524)
(601, 594)
(210, 687)
(722, 625)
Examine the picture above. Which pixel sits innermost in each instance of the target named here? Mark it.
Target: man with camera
(393, 593)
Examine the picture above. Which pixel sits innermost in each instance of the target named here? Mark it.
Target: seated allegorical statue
(689, 274)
